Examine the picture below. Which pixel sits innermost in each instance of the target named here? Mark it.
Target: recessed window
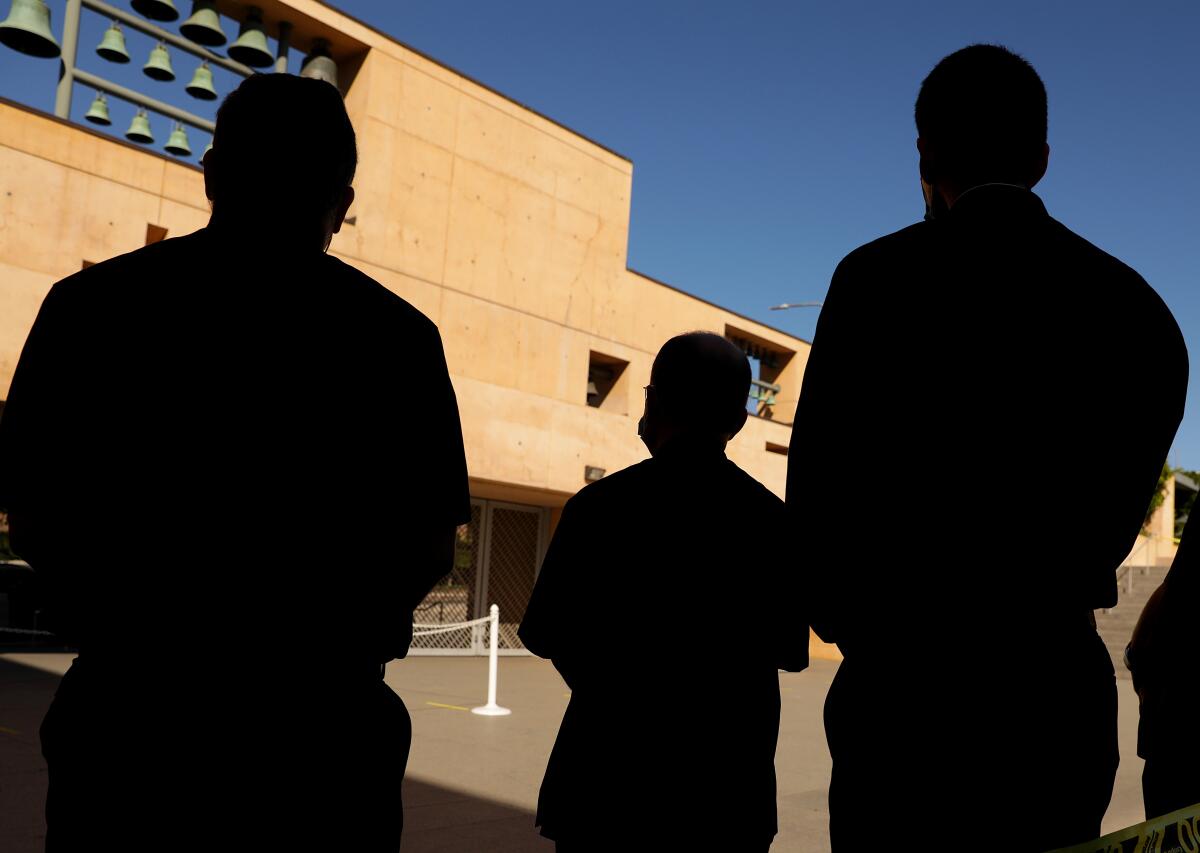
(767, 362)
(781, 449)
(606, 383)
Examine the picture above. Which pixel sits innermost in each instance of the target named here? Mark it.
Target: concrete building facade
(508, 230)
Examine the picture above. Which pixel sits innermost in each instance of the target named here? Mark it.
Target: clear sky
(771, 138)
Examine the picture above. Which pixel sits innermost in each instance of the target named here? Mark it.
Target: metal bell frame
(27, 29)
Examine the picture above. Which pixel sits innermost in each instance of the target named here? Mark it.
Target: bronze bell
(178, 143)
(98, 112)
(112, 46)
(27, 29)
(158, 66)
(202, 84)
(320, 65)
(251, 47)
(204, 25)
(156, 10)
(139, 129)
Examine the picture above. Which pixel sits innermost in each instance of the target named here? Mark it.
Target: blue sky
(771, 138)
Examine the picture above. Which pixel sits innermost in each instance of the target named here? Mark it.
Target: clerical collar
(990, 184)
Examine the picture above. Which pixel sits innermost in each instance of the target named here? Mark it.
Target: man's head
(283, 157)
(697, 392)
(981, 118)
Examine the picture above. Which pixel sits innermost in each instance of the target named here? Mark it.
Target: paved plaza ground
(472, 781)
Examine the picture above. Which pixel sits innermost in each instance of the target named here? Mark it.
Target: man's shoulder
(910, 241)
(617, 487)
(122, 272)
(614, 487)
(752, 489)
(1112, 283)
(374, 296)
(1107, 271)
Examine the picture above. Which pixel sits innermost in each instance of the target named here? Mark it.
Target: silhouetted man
(237, 461)
(668, 742)
(981, 366)
(1163, 656)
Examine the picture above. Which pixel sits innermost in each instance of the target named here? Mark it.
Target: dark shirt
(211, 451)
(664, 604)
(985, 412)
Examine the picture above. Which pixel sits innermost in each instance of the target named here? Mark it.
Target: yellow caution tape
(1177, 832)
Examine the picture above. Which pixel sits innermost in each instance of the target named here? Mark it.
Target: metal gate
(496, 560)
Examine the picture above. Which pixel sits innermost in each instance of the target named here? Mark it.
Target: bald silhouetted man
(980, 365)
(237, 463)
(668, 742)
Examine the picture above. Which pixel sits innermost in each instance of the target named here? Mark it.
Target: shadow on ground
(437, 819)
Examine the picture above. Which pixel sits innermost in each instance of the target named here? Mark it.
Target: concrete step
(1116, 626)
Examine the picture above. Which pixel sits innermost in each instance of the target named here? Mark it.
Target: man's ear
(926, 163)
(209, 162)
(344, 205)
(738, 422)
(1040, 166)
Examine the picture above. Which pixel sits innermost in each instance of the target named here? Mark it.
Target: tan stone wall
(506, 229)
(1161, 528)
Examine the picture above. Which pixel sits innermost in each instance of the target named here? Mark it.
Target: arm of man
(551, 626)
(1161, 645)
(35, 446)
(430, 565)
(436, 496)
(821, 441)
(1150, 363)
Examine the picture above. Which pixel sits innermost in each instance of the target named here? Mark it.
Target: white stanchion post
(491, 709)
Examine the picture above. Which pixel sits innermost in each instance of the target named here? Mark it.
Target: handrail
(1148, 549)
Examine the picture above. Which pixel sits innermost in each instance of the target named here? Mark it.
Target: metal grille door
(514, 550)
(456, 597)
(495, 562)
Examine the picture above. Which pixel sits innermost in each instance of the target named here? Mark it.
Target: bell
(320, 65)
(98, 112)
(27, 29)
(207, 148)
(204, 26)
(112, 46)
(178, 143)
(158, 66)
(251, 46)
(156, 10)
(202, 84)
(139, 129)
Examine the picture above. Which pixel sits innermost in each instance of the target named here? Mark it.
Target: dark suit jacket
(987, 407)
(215, 452)
(664, 605)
